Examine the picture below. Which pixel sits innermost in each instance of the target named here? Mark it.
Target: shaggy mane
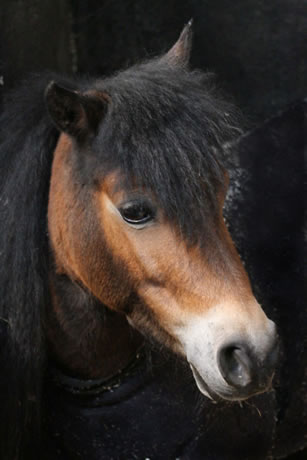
(165, 128)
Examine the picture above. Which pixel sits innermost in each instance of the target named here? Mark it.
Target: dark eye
(137, 212)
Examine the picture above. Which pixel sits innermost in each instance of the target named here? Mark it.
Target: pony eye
(137, 212)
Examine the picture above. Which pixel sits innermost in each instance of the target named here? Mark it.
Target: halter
(89, 387)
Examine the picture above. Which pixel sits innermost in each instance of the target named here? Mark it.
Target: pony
(112, 231)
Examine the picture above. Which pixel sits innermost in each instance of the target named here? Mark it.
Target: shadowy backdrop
(257, 48)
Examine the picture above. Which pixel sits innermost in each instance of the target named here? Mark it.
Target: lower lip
(203, 387)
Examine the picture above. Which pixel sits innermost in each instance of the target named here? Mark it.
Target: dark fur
(162, 127)
(171, 123)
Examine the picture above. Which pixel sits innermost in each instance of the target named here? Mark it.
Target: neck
(86, 339)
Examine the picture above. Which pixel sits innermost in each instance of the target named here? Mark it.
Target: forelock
(165, 129)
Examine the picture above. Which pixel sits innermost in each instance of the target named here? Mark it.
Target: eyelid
(139, 226)
(134, 201)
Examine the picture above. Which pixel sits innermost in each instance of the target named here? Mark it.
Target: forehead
(117, 186)
(162, 134)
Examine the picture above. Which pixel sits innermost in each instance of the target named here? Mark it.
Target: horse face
(196, 300)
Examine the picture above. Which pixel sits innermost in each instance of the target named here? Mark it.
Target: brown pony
(117, 232)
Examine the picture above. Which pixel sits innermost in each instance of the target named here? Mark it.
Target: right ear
(75, 113)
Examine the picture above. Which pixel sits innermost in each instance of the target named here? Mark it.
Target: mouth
(202, 385)
(228, 396)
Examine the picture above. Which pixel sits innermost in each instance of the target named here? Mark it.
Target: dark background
(258, 50)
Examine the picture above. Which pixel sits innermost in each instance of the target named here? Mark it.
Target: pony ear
(75, 113)
(179, 54)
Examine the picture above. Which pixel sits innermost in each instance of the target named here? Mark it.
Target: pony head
(135, 215)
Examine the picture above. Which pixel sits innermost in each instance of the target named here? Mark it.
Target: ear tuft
(75, 113)
(179, 54)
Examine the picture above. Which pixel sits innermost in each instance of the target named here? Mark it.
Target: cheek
(170, 280)
(118, 242)
(165, 306)
(142, 252)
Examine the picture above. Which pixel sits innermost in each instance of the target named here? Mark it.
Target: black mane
(27, 142)
(164, 128)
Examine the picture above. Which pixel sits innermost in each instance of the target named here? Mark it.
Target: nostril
(273, 355)
(235, 365)
(267, 365)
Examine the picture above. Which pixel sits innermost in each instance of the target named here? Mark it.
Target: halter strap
(84, 387)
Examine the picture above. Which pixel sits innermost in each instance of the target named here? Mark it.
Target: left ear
(75, 113)
(179, 54)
